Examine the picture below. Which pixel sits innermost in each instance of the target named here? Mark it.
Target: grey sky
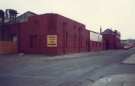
(118, 14)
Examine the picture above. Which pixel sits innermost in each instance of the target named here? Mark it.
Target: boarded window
(33, 41)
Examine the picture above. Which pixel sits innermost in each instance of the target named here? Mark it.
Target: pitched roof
(24, 17)
(108, 31)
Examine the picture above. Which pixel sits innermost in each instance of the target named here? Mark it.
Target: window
(66, 43)
(64, 25)
(33, 41)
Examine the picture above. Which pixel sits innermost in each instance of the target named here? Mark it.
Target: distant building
(24, 17)
(111, 39)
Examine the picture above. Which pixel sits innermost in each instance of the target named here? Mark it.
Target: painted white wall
(95, 37)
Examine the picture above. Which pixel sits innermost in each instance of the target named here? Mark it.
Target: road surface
(69, 70)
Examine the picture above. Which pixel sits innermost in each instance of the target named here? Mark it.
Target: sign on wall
(51, 40)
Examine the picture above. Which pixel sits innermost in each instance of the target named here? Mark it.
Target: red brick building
(111, 39)
(54, 34)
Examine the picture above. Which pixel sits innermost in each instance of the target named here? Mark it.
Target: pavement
(130, 60)
(82, 69)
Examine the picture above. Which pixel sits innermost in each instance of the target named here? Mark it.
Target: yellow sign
(51, 40)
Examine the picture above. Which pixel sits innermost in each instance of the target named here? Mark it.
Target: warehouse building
(54, 34)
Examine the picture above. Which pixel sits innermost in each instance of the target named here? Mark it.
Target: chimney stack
(100, 29)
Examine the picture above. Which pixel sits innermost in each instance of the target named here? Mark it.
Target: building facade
(54, 34)
(111, 39)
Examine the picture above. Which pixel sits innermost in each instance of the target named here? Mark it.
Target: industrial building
(111, 39)
(54, 34)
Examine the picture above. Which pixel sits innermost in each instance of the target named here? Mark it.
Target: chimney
(100, 29)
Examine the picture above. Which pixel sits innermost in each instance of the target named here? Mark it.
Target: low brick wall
(7, 47)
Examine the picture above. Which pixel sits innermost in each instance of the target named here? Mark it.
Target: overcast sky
(115, 14)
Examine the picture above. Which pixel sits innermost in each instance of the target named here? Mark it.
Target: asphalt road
(69, 70)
